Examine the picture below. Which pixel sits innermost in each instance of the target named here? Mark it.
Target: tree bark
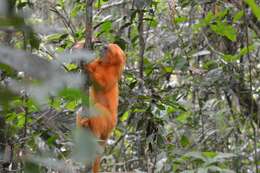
(141, 42)
(88, 29)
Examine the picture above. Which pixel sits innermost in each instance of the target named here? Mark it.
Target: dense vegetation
(189, 96)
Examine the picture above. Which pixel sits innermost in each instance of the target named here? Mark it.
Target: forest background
(189, 96)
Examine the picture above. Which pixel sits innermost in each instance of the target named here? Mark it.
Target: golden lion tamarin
(104, 73)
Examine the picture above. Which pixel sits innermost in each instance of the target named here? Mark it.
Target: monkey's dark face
(113, 54)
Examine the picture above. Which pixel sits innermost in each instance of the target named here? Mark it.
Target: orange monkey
(105, 73)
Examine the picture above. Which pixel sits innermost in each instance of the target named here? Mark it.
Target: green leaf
(117, 133)
(56, 103)
(56, 38)
(149, 67)
(124, 116)
(180, 19)
(52, 139)
(209, 17)
(184, 141)
(59, 49)
(32, 107)
(21, 120)
(209, 154)
(139, 110)
(106, 26)
(71, 66)
(254, 7)
(153, 23)
(11, 117)
(76, 9)
(224, 29)
(170, 110)
(34, 40)
(244, 51)
(182, 118)
(209, 64)
(168, 69)
(21, 5)
(238, 16)
(99, 3)
(231, 58)
(12, 21)
(8, 70)
(71, 105)
(61, 3)
(71, 94)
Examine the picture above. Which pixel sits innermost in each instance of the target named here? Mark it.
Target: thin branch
(117, 142)
(111, 5)
(26, 112)
(65, 21)
(214, 50)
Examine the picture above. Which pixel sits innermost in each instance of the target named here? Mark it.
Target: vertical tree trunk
(140, 28)
(88, 36)
(89, 46)
(141, 42)
(88, 29)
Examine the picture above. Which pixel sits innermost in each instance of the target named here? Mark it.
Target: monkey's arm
(103, 76)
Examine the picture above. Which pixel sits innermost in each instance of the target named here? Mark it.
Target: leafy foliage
(195, 108)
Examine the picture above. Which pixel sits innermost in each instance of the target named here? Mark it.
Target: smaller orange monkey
(105, 73)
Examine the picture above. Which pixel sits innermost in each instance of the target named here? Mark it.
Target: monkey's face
(112, 61)
(113, 54)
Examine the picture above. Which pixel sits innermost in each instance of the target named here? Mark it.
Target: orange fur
(105, 73)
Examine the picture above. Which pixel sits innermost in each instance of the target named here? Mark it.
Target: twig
(26, 112)
(65, 21)
(214, 50)
(111, 5)
(112, 148)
